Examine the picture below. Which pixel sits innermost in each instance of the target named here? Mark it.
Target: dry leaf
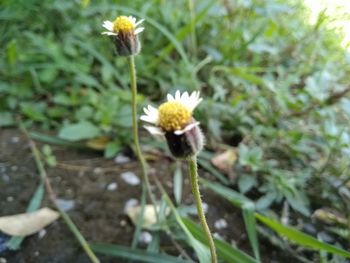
(99, 143)
(149, 219)
(27, 223)
(225, 161)
(330, 216)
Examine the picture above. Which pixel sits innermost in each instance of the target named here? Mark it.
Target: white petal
(154, 130)
(178, 96)
(194, 100)
(139, 30)
(187, 128)
(109, 33)
(132, 20)
(151, 115)
(185, 98)
(170, 97)
(148, 119)
(108, 25)
(139, 22)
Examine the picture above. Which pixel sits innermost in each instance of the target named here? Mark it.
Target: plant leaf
(134, 254)
(300, 237)
(79, 131)
(225, 251)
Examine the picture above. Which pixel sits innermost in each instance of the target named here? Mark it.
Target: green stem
(192, 162)
(139, 154)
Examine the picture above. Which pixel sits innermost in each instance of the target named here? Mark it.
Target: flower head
(173, 120)
(124, 29)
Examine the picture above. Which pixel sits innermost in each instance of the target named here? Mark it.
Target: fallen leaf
(27, 223)
(225, 161)
(99, 143)
(330, 216)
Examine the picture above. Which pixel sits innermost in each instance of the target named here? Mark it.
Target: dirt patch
(84, 177)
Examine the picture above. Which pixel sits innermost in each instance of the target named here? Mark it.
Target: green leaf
(6, 119)
(224, 250)
(250, 225)
(236, 198)
(112, 149)
(245, 183)
(301, 238)
(79, 131)
(134, 254)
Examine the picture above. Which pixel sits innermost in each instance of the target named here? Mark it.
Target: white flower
(175, 115)
(122, 24)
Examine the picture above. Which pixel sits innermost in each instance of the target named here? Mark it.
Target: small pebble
(97, 170)
(5, 178)
(220, 224)
(112, 186)
(145, 237)
(205, 207)
(36, 253)
(121, 158)
(15, 139)
(3, 260)
(14, 168)
(9, 199)
(42, 233)
(2, 169)
(130, 178)
(123, 223)
(81, 173)
(65, 205)
(217, 236)
(130, 203)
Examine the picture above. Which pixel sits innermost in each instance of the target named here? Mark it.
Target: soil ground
(83, 176)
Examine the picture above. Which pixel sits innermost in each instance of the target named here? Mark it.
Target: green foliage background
(273, 85)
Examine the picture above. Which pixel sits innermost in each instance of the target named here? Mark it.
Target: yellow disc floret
(123, 24)
(173, 116)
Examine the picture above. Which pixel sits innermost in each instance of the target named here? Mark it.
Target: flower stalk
(133, 84)
(192, 163)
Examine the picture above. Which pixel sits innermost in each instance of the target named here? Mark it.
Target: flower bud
(125, 32)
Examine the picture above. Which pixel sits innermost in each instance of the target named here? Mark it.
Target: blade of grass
(54, 140)
(207, 166)
(202, 251)
(135, 254)
(250, 225)
(181, 35)
(225, 251)
(300, 237)
(291, 233)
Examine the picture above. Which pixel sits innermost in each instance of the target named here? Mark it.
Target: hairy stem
(139, 154)
(192, 162)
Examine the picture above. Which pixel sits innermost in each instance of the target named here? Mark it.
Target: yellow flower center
(173, 116)
(123, 24)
